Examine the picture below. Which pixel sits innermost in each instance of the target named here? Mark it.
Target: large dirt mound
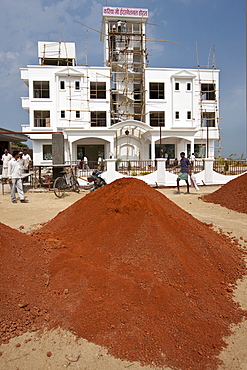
(22, 282)
(132, 271)
(232, 195)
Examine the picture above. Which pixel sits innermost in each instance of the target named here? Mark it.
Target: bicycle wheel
(59, 187)
(75, 184)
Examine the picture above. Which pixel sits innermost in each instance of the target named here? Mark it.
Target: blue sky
(191, 22)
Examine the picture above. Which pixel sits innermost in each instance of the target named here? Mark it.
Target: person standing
(14, 176)
(85, 163)
(6, 157)
(119, 26)
(21, 160)
(99, 163)
(26, 162)
(192, 160)
(184, 172)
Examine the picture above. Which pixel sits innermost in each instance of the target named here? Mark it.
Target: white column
(111, 170)
(153, 149)
(161, 171)
(111, 153)
(208, 168)
(192, 146)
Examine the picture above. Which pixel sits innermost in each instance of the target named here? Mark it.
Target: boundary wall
(161, 177)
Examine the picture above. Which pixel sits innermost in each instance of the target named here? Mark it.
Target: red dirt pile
(133, 272)
(22, 283)
(127, 269)
(232, 195)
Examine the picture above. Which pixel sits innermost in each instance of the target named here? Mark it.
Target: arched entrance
(91, 148)
(129, 143)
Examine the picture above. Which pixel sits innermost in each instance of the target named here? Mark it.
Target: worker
(14, 177)
(6, 157)
(184, 172)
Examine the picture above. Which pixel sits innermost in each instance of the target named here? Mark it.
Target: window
(47, 152)
(200, 150)
(189, 115)
(156, 90)
(208, 91)
(176, 115)
(188, 86)
(41, 89)
(62, 85)
(176, 85)
(77, 85)
(208, 119)
(77, 114)
(41, 118)
(80, 152)
(97, 90)
(157, 119)
(62, 113)
(163, 150)
(98, 119)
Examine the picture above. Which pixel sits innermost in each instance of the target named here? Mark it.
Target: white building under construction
(124, 109)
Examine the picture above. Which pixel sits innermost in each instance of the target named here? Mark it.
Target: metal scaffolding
(126, 59)
(209, 92)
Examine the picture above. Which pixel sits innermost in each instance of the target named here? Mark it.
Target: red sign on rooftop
(125, 12)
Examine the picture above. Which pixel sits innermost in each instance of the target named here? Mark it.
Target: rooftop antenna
(86, 44)
(197, 57)
(211, 51)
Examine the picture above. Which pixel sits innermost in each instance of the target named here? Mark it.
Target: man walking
(184, 172)
(14, 176)
(6, 157)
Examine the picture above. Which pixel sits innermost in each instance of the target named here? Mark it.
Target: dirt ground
(58, 349)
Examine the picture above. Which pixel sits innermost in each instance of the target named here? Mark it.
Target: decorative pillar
(57, 153)
(111, 170)
(161, 171)
(153, 149)
(208, 168)
(192, 146)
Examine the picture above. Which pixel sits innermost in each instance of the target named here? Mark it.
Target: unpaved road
(29, 351)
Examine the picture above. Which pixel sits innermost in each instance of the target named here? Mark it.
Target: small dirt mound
(232, 195)
(131, 271)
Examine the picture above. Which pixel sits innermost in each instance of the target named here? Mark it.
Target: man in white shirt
(26, 160)
(6, 157)
(14, 176)
(20, 159)
(192, 159)
(85, 163)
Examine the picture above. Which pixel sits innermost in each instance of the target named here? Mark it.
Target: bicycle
(67, 182)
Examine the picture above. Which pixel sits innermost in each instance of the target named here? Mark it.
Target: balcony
(25, 103)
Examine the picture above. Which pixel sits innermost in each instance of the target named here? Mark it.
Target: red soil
(22, 282)
(232, 195)
(131, 271)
